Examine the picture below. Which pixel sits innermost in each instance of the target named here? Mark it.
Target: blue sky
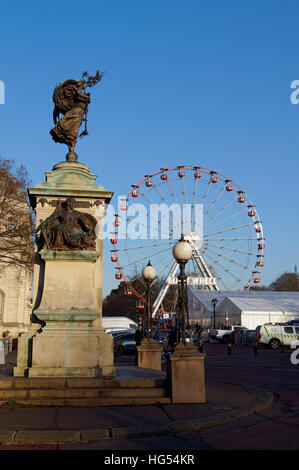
(187, 82)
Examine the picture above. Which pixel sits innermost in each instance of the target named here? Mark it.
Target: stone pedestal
(149, 354)
(186, 375)
(67, 288)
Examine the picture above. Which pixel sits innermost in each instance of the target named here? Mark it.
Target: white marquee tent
(249, 309)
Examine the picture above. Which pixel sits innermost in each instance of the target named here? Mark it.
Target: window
(297, 330)
(289, 330)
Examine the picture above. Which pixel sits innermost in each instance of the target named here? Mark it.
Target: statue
(71, 100)
(67, 229)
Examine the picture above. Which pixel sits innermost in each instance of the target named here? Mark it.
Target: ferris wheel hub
(194, 239)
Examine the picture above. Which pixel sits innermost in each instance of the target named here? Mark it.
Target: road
(277, 428)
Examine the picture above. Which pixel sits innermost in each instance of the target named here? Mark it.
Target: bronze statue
(71, 100)
(67, 229)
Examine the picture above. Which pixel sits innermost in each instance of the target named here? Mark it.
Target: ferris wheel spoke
(220, 211)
(171, 190)
(225, 269)
(235, 250)
(183, 191)
(138, 276)
(230, 239)
(231, 260)
(145, 257)
(228, 230)
(165, 269)
(194, 193)
(206, 192)
(141, 247)
(214, 202)
(223, 221)
(159, 193)
(217, 275)
(152, 216)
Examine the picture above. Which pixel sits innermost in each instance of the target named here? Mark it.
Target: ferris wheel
(215, 215)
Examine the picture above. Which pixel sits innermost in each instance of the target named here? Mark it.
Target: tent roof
(252, 300)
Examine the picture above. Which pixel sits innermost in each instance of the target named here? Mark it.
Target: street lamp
(182, 252)
(149, 274)
(214, 303)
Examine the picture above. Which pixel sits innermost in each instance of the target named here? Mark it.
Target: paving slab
(27, 418)
(101, 417)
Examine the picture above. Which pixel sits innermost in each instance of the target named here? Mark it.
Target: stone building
(15, 241)
(15, 301)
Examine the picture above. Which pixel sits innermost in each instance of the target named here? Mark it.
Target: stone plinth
(186, 375)
(67, 288)
(149, 354)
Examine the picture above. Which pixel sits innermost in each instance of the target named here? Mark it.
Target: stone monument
(66, 337)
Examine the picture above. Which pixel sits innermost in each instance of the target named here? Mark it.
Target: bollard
(229, 349)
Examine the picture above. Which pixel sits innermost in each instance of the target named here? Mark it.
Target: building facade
(15, 301)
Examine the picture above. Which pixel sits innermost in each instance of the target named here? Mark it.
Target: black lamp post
(214, 302)
(149, 274)
(182, 252)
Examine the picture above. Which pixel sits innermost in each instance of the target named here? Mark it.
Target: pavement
(49, 426)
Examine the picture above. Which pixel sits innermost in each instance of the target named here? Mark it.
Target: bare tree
(16, 219)
(286, 282)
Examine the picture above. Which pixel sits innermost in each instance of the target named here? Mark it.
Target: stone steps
(84, 402)
(59, 383)
(83, 392)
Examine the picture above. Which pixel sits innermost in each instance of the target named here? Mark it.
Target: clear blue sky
(189, 81)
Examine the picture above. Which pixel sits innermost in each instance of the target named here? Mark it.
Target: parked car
(224, 335)
(124, 343)
(247, 336)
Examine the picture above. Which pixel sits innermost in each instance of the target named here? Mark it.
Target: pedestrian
(238, 338)
(138, 336)
(174, 337)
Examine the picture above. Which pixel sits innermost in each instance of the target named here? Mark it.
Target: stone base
(64, 372)
(65, 350)
(149, 354)
(186, 375)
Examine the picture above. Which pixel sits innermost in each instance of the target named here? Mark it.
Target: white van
(112, 324)
(276, 334)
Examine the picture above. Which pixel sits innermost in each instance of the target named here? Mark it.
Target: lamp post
(182, 252)
(149, 274)
(214, 303)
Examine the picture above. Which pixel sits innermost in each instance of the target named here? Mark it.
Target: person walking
(138, 336)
